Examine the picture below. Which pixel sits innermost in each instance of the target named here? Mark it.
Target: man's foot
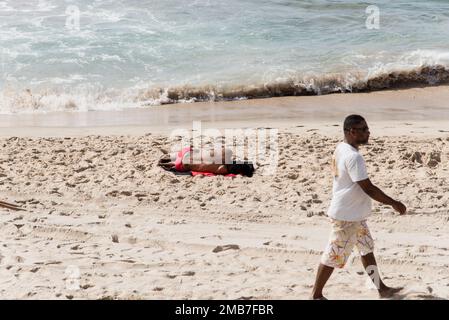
(388, 292)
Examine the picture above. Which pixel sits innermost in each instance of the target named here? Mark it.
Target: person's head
(245, 169)
(356, 130)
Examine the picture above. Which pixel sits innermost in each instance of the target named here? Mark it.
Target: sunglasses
(364, 129)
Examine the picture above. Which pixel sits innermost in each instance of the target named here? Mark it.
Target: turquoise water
(138, 53)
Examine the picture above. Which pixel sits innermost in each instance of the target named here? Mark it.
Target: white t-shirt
(349, 201)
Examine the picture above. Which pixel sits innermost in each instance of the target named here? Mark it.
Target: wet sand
(424, 105)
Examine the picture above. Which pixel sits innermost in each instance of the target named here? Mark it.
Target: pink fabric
(208, 174)
(178, 161)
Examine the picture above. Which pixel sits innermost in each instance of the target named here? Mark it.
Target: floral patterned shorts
(344, 236)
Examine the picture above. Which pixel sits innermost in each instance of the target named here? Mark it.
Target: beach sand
(104, 222)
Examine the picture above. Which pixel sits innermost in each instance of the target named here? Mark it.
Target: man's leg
(323, 274)
(336, 253)
(370, 265)
(365, 245)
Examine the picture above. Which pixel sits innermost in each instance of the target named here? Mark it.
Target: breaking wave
(29, 101)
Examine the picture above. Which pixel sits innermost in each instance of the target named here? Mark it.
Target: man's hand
(378, 195)
(399, 207)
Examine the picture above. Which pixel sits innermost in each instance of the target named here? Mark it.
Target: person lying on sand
(205, 161)
(349, 208)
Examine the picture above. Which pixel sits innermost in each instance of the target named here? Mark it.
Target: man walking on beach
(349, 208)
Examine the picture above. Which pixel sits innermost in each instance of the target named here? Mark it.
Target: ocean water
(82, 55)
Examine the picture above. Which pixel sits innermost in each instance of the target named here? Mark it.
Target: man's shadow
(414, 295)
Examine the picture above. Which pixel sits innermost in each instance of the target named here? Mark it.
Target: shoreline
(418, 105)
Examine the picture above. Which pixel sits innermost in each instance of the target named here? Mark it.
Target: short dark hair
(245, 169)
(351, 121)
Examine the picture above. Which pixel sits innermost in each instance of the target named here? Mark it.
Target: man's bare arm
(378, 195)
